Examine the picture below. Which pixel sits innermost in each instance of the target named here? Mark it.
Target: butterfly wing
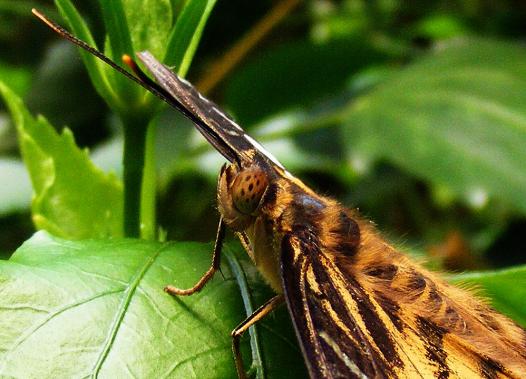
(348, 330)
(216, 126)
(333, 343)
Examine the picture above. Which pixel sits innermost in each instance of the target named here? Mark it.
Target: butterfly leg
(245, 242)
(216, 260)
(258, 314)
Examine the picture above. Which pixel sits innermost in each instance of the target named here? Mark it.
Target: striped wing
(332, 341)
(346, 331)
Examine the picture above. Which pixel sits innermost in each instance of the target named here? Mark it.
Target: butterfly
(360, 308)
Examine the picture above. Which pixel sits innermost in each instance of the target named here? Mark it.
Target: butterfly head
(241, 194)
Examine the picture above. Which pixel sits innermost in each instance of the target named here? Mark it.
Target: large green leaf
(72, 198)
(76, 309)
(456, 118)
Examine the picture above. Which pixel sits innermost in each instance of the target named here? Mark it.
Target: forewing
(217, 127)
(332, 340)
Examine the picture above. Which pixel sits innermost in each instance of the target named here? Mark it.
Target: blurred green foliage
(414, 112)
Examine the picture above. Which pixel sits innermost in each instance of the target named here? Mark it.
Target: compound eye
(247, 189)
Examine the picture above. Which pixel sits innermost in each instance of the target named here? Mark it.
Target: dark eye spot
(251, 187)
(242, 192)
(248, 178)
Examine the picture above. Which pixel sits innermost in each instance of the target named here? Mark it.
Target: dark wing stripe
(433, 336)
(332, 342)
(387, 357)
(490, 369)
(295, 268)
(391, 309)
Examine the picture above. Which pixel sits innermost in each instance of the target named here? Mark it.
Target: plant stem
(149, 187)
(135, 131)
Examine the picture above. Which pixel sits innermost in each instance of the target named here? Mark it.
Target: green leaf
(118, 42)
(456, 118)
(83, 308)
(116, 28)
(72, 197)
(77, 309)
(506, 290)
(186, 34)
(96, 69)
(15, 191)
(16, 78)
(150, 23)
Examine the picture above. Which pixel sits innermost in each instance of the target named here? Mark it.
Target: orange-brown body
(436, 329)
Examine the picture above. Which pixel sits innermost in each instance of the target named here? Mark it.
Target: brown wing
(347, 330)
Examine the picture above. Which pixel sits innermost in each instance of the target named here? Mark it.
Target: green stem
(135, 130)
(149, 187)
(255, 342)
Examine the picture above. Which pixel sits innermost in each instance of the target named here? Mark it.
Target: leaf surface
(97, 307)
(76, 309)
(456, 118)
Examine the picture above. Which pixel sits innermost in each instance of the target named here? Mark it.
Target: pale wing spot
(262, 150)
(311, 279)
(327, 306)
(233, 133)
(289, 175)
(348, 362)
(202, 97)
(296, 254)
(186, 82)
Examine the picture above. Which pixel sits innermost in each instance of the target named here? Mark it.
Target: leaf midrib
(123, 307)
(57, 312)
